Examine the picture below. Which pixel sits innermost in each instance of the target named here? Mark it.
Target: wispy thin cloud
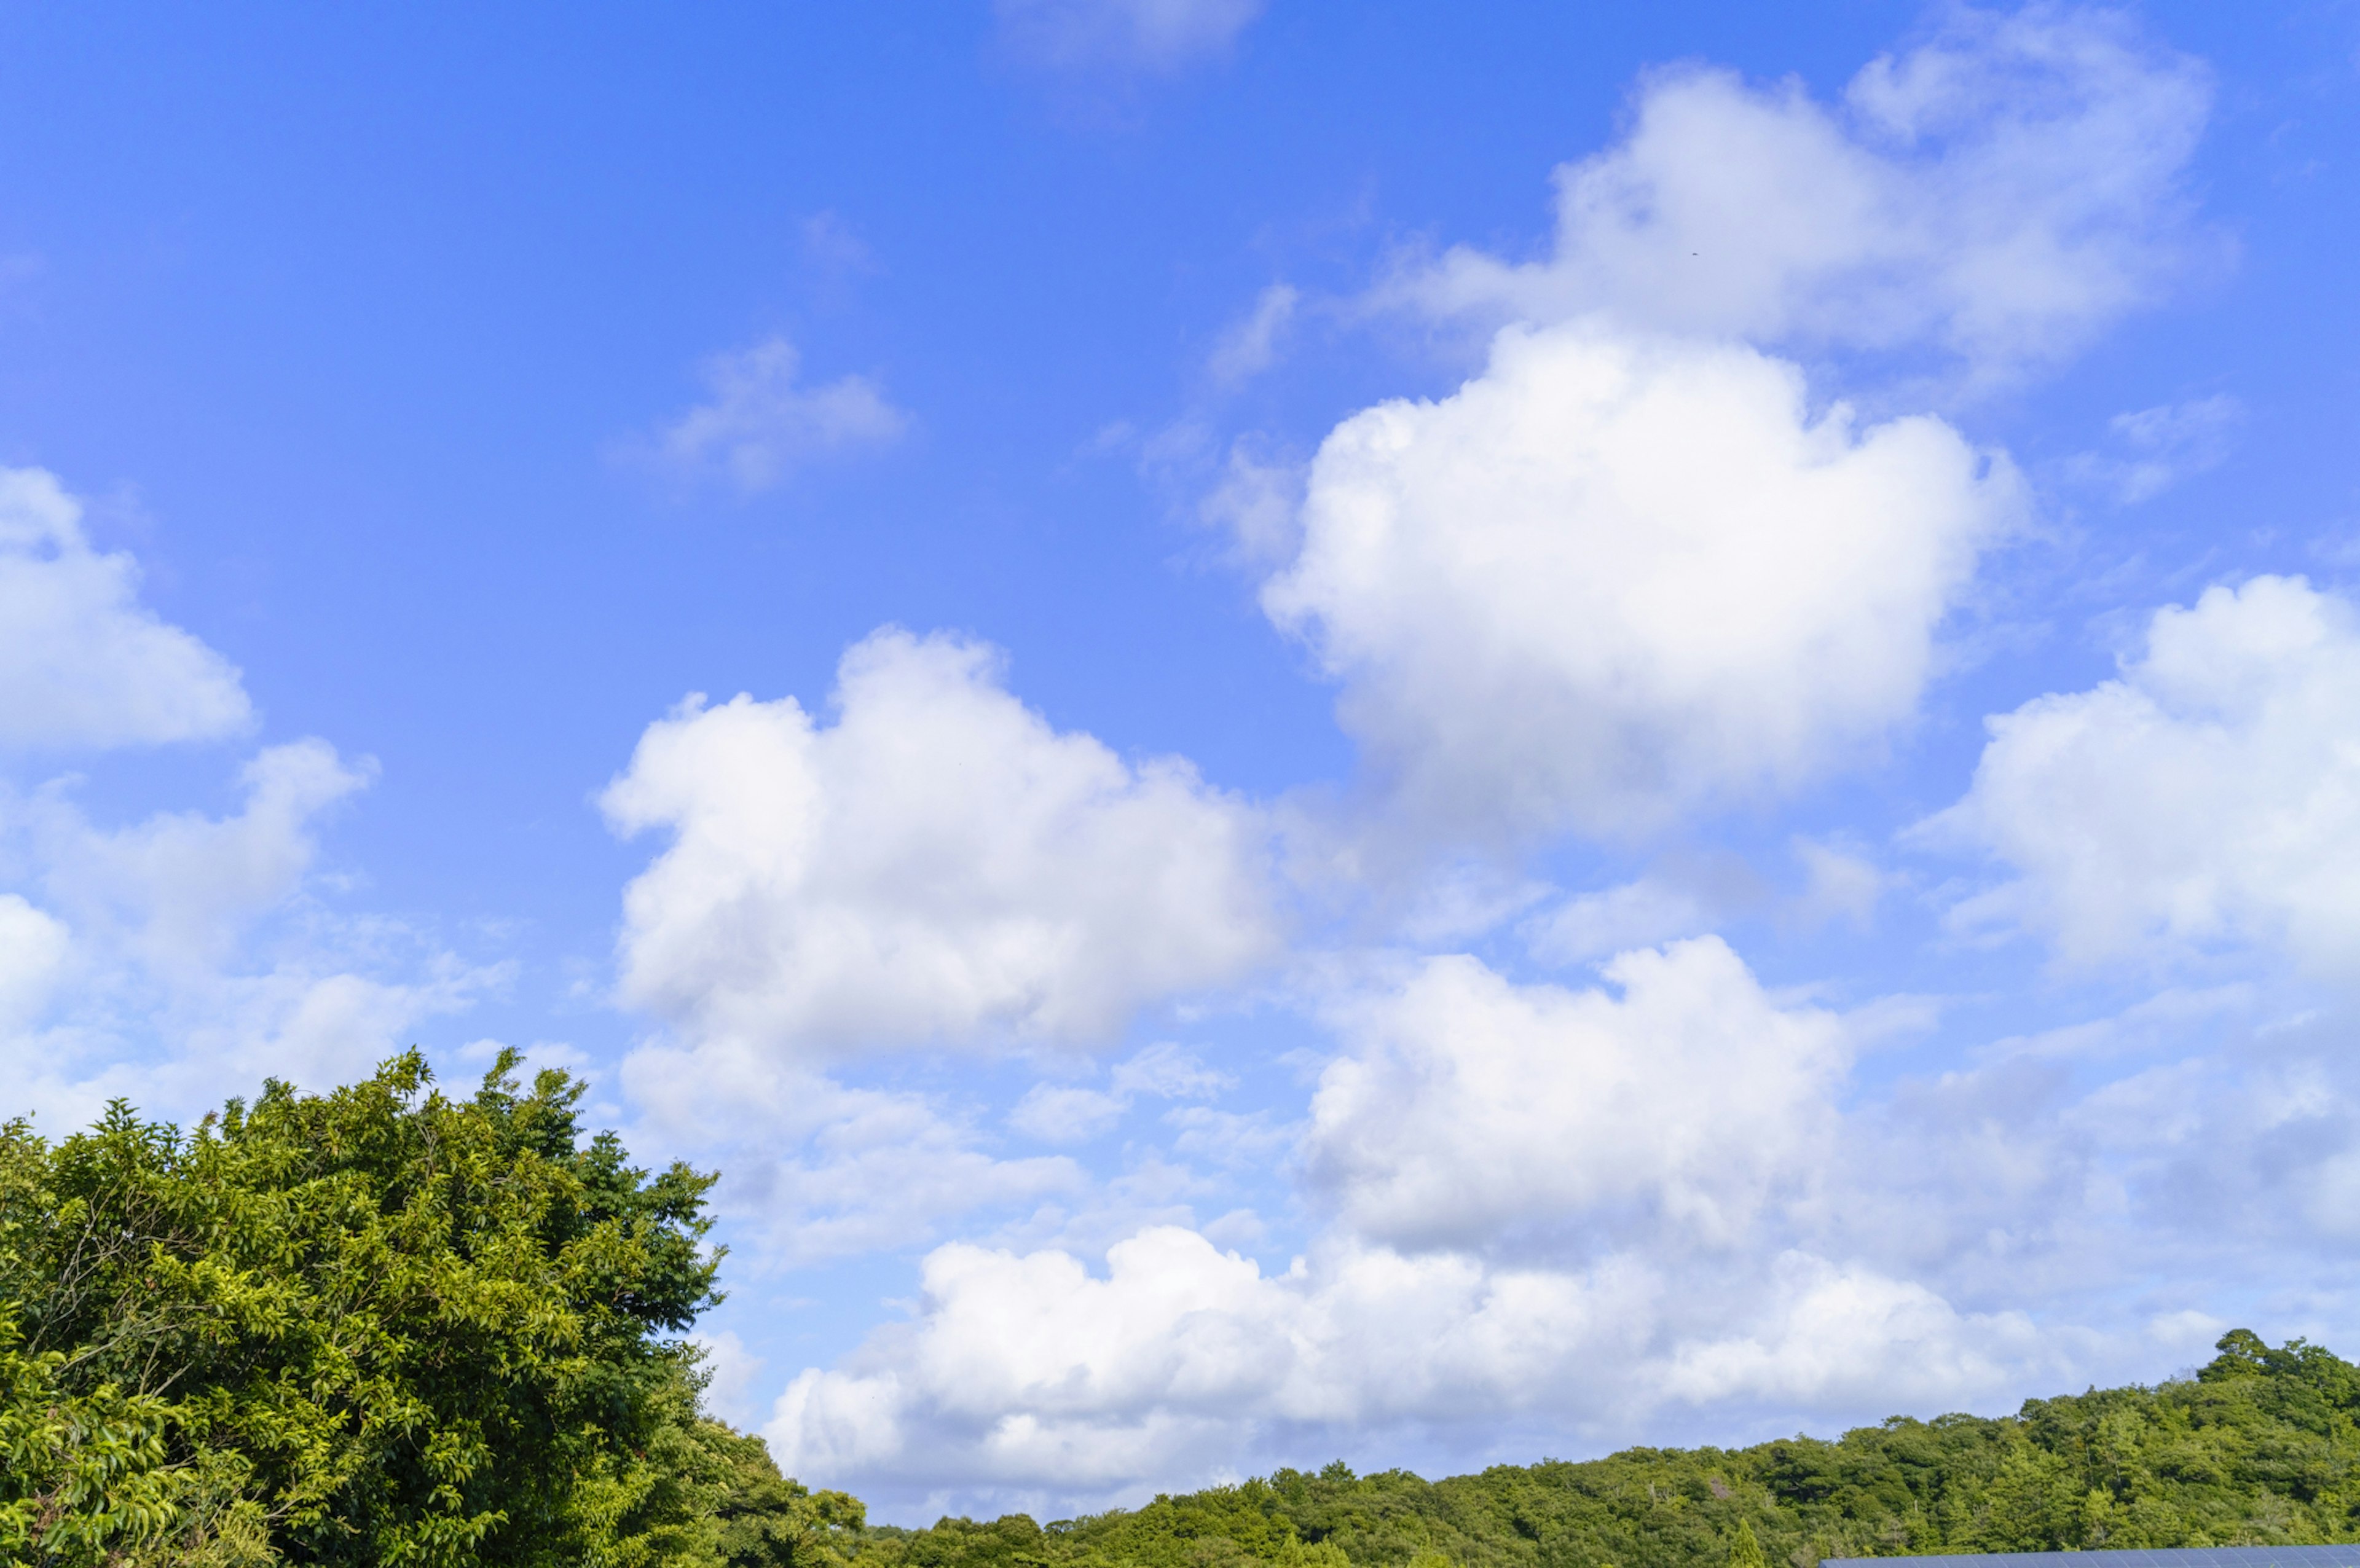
(760, 423)
(1251, 345)
(1152, 35)
(2151, 450)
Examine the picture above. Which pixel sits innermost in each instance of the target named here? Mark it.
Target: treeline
(2259, 1448)
(387, 1326)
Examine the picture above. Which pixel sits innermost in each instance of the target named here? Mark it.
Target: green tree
(80, 1477)
(379, 1325)
(765, 1521)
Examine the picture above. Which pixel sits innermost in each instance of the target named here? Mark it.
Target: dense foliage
(383, 1326)
(375, 1326)
(2261, 1447)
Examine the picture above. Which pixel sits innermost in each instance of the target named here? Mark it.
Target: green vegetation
(2261, 1447)
(382, 1326)
(376, 1326)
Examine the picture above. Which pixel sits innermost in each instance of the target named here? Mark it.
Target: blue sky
(1463, 737)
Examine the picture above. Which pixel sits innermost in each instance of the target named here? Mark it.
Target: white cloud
(1254, 501)
(1065, 1113)
(1966, 1250)
(1471, 1111)
(820, 1169)
(178, 957)
(1027, 1372)
(2208, 795)
(181, 957)
(82, 662)
(178, 888)
(1959, 1244)
(1838, 884)
(731, 1370)
(759, 424)
(180, 1050)
(834, 246)
(937, 866)
(1852, 1333)
(1170, 1073)
(1156, 34)
(2001, 191)
(1616, 920)
(33, 945)
(1232, 1138)
(2157, 448)
(1250, 346)
(1613, 579)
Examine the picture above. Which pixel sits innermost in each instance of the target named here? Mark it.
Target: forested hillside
(385, 1326)
(2259, 1447)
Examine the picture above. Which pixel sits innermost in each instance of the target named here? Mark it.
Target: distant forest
(2261, 1447)
(385, 1326)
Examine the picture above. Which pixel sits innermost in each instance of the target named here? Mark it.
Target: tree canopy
(380, 1325)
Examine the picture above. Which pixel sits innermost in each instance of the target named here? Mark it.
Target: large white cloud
(937, 866)
(2208, 797)
(1614, 578)
(1962, 1243)
(1545, 1200)
(2002, 191)
(82, 662)
(1030, 1373)
(1468, 1108)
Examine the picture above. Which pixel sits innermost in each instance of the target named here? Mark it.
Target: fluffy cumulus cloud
(82, 662)
(1031, 1374)
(2002, 191)
(1614, 578)
(1027, 1369)
(761, 422)
(1470, 1109)
(1475, 1142)
(1154, 35)
(2210, 795)
(1960, 1244)
(1638, 567)
(1837, 1334)
(1636, 571)
(936, 865)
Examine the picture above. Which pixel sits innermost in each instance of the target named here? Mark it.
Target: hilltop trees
(2261, 1446)
(378, 1326)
